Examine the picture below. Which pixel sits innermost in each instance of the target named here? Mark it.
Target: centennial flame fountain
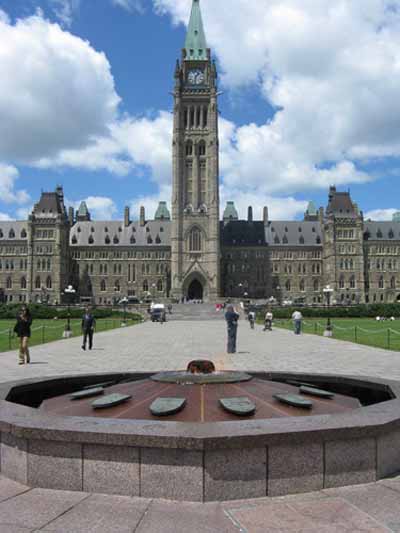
(199, 434)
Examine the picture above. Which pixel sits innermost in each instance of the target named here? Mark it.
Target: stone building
(193, 254)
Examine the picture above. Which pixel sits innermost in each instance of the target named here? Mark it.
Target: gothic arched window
(302, 286)
(381, 282)
(301, 240)
(11, 234)
(316, 285)
(160, 285)
(189, 148)
(90, 240)
(23, 234)
(288, 285)
(117, 286)
(202, 148)
(133, 240)
(195, 240)
(9, 283)
(107, 240)
(74, 239)
(393, 283)
(103, 286)
(23, 283)
(341, 282)
(285, 240)
(145, 286)
(48, 283)
(352, 282)
(38, 283)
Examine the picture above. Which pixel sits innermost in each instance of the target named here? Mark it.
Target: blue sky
(310, 99)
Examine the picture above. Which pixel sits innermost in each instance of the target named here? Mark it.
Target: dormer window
(79, 229)
(313, 230)
(149, 240)
(133, 240)
(120, 230)
(23, 234)
(286, 230)
(276, 240)
(285, 240)
(391, 234)
(379, 234)
(318, 240)
(300, 230)
(133, 229)
(92, 229)
(11, 234)
(1, 234)
(148, 230)
(161, 229)
(74, 239)
(158, 240)
(301, 240)
(91, 240)
(115, 240)
(107, 240)
(106, 229)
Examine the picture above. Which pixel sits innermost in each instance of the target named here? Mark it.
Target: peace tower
(195, 240)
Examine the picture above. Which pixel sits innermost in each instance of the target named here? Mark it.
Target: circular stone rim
(187, 378)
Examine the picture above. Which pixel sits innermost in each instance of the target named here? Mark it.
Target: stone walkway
(368, 508)
(150, 347)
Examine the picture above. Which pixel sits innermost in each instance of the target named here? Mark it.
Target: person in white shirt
(297, 317)
(268, 321)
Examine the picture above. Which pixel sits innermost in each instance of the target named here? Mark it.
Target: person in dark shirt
(231, 317)
(88, 325)
(23, 331)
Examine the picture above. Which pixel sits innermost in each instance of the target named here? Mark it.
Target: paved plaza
(151, 347)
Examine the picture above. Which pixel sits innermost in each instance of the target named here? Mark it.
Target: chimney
(71, 216)
(250, 214)
(142, 216)
(126, 217)
(265, 215)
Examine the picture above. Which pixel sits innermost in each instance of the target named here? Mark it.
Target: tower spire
(196, 44)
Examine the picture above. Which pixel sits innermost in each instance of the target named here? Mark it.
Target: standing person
(231, 317)
(268, 321)
(23, 330)
(297, 317)
(88, 325)
(252, 318)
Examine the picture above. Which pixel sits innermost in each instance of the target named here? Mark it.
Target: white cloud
(65, 10)
(380, 214)
(331, 71)
(4, 17)
(100, 207)
(4, 216)
(8, 176)
(130, 5)
(61, 95)
(24, 212)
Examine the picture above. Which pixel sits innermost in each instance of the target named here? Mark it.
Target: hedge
(40, 311)
(355, 311)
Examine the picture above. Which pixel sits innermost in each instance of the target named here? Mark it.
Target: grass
(44, 331)
(359, 330)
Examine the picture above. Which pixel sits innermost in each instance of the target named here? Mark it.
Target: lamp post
(328, 291)
(124, 302)
(240, 289)
(69, 292)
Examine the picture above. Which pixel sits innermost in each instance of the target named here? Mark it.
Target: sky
(310, 98)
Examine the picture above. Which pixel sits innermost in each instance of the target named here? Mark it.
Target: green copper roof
(162, 212)
(230, 212)
(83, 210)
(196, 44)
(311, 209)
(396, 217)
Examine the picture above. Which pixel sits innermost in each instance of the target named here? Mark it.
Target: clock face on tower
(196, 77)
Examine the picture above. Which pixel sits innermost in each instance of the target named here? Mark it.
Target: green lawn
(44, 331)
(360, 330)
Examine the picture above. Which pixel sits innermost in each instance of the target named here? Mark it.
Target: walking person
(252, 319)
(88, 325)
(23, 330)
(231, 317)
(297, 317)
(268, 321)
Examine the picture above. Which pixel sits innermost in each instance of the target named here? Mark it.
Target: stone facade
(193, 254)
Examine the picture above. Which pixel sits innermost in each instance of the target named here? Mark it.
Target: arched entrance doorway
(195, 290)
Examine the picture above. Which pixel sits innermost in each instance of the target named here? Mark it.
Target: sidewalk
(369, 508)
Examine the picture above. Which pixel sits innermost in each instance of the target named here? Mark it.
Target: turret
(142, 216)
(126, 217)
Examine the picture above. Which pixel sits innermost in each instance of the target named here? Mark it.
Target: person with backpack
(88, 325)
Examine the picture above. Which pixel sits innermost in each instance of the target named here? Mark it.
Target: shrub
(355, 311)
(40, 311)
